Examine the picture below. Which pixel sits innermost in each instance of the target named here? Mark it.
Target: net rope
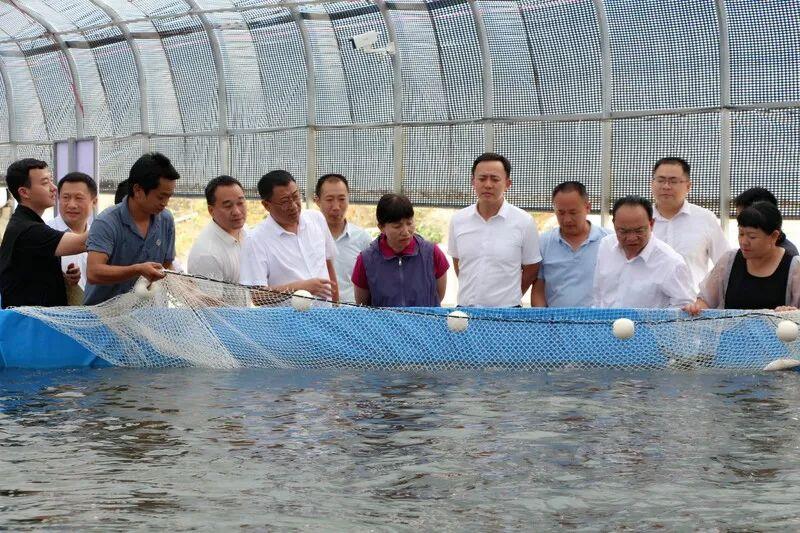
(188, 320)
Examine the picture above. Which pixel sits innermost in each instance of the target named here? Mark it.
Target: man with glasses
(635, 268)
(691, 230)
(292, 249)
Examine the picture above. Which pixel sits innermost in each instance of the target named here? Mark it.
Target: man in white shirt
(636, 269)
(77, 199)
(215, 253)
(292, 249)
(494, 245)
(691, 230)
(332, 196)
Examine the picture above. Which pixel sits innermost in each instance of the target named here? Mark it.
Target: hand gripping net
(191, 321)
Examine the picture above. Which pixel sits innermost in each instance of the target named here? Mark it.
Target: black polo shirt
(30, 272)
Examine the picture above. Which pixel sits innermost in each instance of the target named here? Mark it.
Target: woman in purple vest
(400, 268)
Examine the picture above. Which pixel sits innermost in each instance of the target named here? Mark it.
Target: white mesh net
(190, 321)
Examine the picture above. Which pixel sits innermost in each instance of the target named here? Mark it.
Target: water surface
(183, 449)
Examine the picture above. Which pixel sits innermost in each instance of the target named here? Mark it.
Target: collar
(127, 219)
(595, 234)
(345, 233)
(226, 237)
(684, 210)
(59, 224)
(645, 254)
(503, 212)
(28, 213)
(388, 253)
(277, 229)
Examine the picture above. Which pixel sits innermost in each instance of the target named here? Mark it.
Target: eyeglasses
(672, 181)
(623, 232)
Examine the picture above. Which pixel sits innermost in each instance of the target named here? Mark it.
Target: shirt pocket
(507, 246)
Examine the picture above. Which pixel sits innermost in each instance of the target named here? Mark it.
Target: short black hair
(270, 180)
(491, 156)
(219, 181)
(571, 186)
(330, 177)
(148, 170)
(18, 174)
(673, 161)
(753, 195)
(393, 208)
(121, 192)
(633, 200)
(79, 177)
(761, 215)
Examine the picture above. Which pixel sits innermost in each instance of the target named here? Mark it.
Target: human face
(75, 204)
(42, 192)
(633, 229)
(490, 182)
(571, 210)
(756, 243)
(157, 199)
(398, 234)
(670, 186)
(285, 204)
(333, 201)
(230, 208)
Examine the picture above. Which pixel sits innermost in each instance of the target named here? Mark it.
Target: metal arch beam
(222, 87)
(725, 126)
(73, 70)
(144, 106)
(486, 76)
(12, 116)
(311, 104)
(607, 123)
(398, 142)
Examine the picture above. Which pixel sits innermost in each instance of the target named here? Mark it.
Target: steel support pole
(607, 123)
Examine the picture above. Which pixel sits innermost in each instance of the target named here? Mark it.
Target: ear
(508, 183)
(316, 200)
(210, 209)
(652, 223)
(265, 203)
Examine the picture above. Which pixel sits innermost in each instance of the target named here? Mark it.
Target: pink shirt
(440, 264)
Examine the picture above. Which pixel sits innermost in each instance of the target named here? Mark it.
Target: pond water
(182, 449)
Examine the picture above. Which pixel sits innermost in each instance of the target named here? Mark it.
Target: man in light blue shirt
(332, 196)
(569, 252)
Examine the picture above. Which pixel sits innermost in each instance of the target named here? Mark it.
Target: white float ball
(457, 321)
(302, 300)
(140, 288)
(623, 328)
(787, 331)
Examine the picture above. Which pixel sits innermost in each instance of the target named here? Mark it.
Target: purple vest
(401, 281)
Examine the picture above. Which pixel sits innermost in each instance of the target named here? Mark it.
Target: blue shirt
(115, 234)
(568, 273)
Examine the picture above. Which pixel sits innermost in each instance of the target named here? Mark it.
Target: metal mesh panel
(118, 75)
(3, 114)
(195, 158)
(279, 49)
(565, 44)
(765, 152)
(6, 158)
(664, 54)
(93, 104)
(437, 162)
(254, 155)
(163, 112)
(364, 156)
(368, 77)
(332, 103)
(194, 74)
(638, 143)
(43, 152)
(545, 154)
(460, 57)
(116, 158)
(423, 88)
(515, 77)
(764, 41)
(54, 86)
(29, 116)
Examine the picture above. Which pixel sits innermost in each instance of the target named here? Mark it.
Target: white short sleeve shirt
(79, 260)
(350, 243)
(491, 253)
(273, 256)
(695, 233)
(656, 278)
(215, 254)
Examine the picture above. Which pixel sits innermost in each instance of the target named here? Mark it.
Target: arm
(362, 295)
(679, 287)
(538, 298)
(455, 265)
(441, 287)
(529, 273)
(99, 272)
(333, 278)
(72, 244)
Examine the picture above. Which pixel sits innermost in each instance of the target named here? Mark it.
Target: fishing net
(190, 321)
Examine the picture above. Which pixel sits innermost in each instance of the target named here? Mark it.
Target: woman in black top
(759, 275)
